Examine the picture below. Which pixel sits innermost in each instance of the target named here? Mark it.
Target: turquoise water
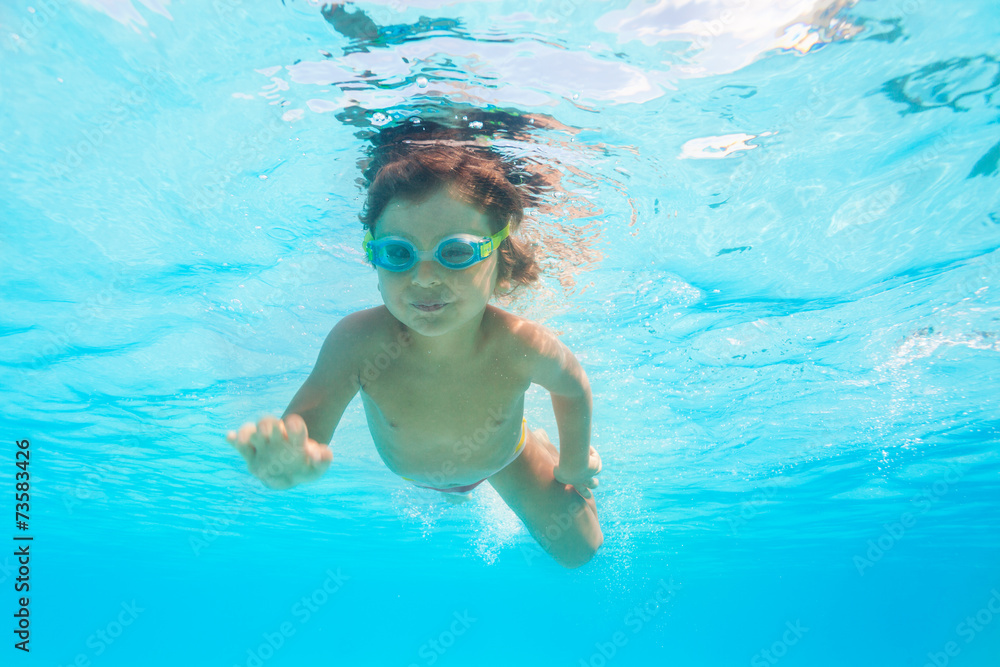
(771, 235)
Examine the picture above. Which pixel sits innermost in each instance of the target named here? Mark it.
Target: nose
(426, 273)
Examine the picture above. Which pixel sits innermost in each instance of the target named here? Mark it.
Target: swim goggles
(458, 251)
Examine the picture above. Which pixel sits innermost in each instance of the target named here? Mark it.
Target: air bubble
(379, 119)
(476, 125)
(422, 81)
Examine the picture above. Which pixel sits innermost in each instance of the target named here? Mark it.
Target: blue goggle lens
(457, 252)
(396, 254)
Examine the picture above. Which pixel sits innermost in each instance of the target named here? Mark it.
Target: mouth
(429, 306)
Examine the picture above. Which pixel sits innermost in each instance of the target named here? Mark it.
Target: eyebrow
(378, 235)
(413, 240)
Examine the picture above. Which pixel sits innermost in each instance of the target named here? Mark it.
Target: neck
(457, 345)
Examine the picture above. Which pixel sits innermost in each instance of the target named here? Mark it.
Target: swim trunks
(469, 487)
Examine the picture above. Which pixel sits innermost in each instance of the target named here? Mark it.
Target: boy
(446, 410)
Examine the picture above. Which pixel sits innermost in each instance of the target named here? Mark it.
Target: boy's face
(428, 298)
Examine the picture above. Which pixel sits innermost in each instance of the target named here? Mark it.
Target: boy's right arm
(292, 450)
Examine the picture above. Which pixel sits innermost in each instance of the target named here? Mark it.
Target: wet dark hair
(414, 163)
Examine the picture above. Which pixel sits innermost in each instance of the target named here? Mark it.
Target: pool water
(770, 233)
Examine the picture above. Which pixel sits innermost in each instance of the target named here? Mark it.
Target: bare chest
(445, 425)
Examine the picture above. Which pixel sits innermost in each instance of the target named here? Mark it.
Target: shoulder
(521, 341)
(355, 334)
(369, 322)
(353, 329)
(363, 322)
(540, 356)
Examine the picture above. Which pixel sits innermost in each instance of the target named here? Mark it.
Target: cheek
(388, 283)
(484, 277)
(494, 273)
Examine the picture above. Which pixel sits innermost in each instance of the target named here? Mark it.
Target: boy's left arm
(559, 371)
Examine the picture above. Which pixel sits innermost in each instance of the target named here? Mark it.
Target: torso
(444, 424)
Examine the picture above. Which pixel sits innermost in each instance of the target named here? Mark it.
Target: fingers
(318, 454)
(582, 487)
(251, 437)
(295, 428)
(242, 438)
(592, 483)
(241, 441)
(595, 460)
(298, 436)
(246, 432)
(268, 427)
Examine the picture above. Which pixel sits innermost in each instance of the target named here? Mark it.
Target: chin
(422, 329)
(437, 324)
(431, 325)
